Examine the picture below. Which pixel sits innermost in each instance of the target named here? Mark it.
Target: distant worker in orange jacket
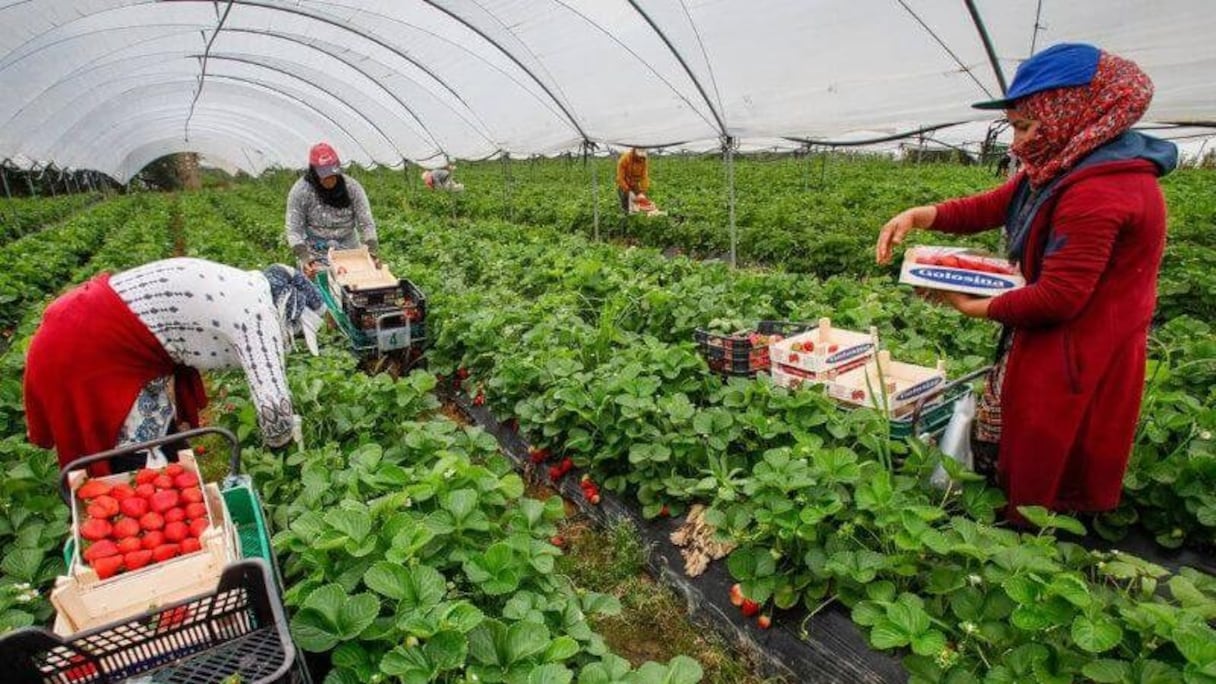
(632, 175)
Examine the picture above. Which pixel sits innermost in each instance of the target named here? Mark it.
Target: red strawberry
(137, 559)
(127, 527)
(152, 521)
(107, 567)
(595, 499)
(133, 507)
(197, 527)
(164, 500)
(192, 495)
(92, 489)
(555, 473)
(174, 469)
(185, 480)
(557, 541)
(130, 544)
(176, 531)
(102, 549)
(200, 449)
(194, 511)
(145, 490)
(750, 607)
(176, 514)
(122, 492)
(462, 373)
(736, 595)
(153, 539)
(480, 399)
(146, 476)
(764, 622)
(190, 545)
(537, 455)
(106, 504)
(163, 482)
(94, 529)
(664, 512)
(165, 551)
(567, 464)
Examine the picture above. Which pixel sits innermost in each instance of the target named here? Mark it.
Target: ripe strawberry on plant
(764, 622)
(749, 607)
(736, 595)
(479, 399)
(557, 540)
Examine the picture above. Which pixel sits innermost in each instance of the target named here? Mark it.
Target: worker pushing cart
(326, 209)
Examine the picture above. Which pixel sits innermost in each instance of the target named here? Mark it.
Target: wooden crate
(354, 269)
(824, 349)
(84, 601)
(903, 383)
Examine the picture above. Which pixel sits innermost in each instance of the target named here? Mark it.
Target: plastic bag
(956, 440)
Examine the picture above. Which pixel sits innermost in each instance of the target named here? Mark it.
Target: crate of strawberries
(150, 537)
(959, 269)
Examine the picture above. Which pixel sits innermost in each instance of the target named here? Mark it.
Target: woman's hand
(903, 223)
(311, 268)
(968, 305)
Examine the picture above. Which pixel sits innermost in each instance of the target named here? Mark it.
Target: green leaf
(312, 632)
(551, 673)
(1072, 588)
(525, 639)
(22, 564)
(354, 524)
(388, 579)
(357, 614)
(931, 642)
(447, 650)
(1096, 635)
(460, 503)
(1107, 671)
(561, 648)
(683, 670)
(887, 635)
(409, 664)
(327, 601)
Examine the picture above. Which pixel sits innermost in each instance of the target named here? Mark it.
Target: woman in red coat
(1085, 221)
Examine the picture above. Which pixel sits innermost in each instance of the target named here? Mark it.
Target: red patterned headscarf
(1075, 121)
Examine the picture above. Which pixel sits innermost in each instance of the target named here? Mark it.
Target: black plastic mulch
(835, 650)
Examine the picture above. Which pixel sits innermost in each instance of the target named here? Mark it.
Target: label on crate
(919, 388)
(949, 276)
(850, 353)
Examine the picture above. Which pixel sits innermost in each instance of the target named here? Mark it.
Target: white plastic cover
(112, 84)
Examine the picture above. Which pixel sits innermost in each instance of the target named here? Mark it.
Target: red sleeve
(976, 213)
(1085, 224)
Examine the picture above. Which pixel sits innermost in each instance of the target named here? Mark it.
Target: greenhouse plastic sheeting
(113, 84)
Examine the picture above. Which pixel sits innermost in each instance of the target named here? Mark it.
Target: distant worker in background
(327, 209)
(1085, 220)
(1004, 165)
(442, 179)
(632, 176)
(116, 360)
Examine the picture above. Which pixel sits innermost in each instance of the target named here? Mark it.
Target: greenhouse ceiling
(113, 84)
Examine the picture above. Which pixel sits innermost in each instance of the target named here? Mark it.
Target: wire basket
(236, 633)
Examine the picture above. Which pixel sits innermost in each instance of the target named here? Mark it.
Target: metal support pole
(595, 188)
(29, 183)
(728, 146)
(506, 187)
(53, 193)
(88, 179)
(4, 179)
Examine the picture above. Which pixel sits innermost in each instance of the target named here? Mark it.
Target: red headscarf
(1075, 121)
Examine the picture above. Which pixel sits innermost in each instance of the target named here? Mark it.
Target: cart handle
(919, 406)
(234, 462)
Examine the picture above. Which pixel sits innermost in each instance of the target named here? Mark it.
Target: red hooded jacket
(1075, 376)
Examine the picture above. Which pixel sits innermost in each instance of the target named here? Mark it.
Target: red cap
(324, 161)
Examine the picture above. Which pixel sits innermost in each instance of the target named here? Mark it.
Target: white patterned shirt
(211, 316)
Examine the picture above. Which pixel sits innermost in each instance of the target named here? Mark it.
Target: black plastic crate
(735, 355)
(238, 632)
(364, 307)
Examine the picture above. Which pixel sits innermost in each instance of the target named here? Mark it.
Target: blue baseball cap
(1059, 66)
